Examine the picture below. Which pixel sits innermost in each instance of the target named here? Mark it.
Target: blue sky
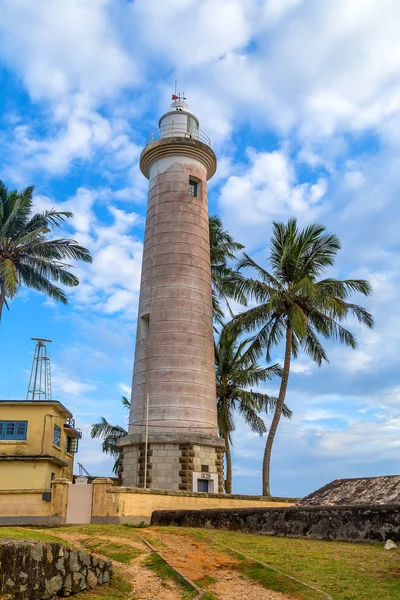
(301, 99)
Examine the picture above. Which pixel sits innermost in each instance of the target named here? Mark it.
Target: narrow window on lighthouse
(144, 327)
(193, 188)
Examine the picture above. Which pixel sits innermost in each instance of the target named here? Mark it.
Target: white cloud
(60, 48)
(188, 33)
(265, 190)
(111, 282)
(62, 383)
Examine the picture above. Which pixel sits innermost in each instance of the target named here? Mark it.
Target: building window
(72, 445)
(13, 430)
(204, 468)
(193, 188)
(57, 436)
(144, 327)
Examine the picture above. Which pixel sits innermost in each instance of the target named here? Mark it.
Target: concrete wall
(174, 358)
(124, 505)
(23, 507)
(27, 507)
(345, 523)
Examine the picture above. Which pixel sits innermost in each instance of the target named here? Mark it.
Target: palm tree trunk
(277, 414)
(2, 299)
(228, 481)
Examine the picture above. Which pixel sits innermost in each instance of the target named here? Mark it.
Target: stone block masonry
(171, 466)
(366, 523)
(40, 571)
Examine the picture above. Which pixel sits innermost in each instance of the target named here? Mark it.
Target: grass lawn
(343, 570)
(118, 589)
(346, 571)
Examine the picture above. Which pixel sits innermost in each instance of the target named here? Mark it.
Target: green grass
(141, 525)
(24, 533)
(344, 570)
(118, 589)
(166, 573)
(114, 550)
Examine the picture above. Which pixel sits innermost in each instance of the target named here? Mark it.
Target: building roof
(363, 490)
(61, 407)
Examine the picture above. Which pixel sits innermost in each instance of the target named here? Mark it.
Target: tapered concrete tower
(173, 393)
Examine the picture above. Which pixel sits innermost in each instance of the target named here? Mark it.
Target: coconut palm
(28, 256)
(222, 249)
(295, 306)
(110, 434)
(237, 370)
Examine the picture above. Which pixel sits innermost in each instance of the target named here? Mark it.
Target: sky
(301, 99)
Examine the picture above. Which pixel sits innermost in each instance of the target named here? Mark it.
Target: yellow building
(38, 440)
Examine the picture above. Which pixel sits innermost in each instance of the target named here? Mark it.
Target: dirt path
(145, 584)
(197, 560)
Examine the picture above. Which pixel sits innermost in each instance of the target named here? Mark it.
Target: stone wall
(37, 571)
(344, 523)
(171, 465)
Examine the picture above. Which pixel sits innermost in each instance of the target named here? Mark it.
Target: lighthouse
(173, 438)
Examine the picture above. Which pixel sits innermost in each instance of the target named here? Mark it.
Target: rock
(73, 561)
(91, 579)
(85, 559)
(53, 586)
(37, 552)
(390, 545)
(106, 577)
(60, 565)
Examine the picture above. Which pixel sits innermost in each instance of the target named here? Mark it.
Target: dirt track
(195, 559)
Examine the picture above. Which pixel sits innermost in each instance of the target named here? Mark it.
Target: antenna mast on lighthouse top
(177, 96)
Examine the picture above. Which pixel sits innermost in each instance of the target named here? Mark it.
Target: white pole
(146, 440)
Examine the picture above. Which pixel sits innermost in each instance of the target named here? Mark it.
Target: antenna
(39, 387)
(176, 96)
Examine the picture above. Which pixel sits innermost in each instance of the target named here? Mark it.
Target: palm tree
(236, 370)
(222, 249)
(27, 255)
(110, 434)
(297, 307)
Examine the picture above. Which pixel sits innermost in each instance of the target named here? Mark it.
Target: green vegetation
(118, 589)
(29, 256)
(295, 306)
(110, 434)
(114, 550)
(23, 533)
(141, 525)
(166, 573)
(237, 370)
(346, 571)
(223, 249)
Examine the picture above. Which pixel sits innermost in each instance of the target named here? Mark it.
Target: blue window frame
(57, 436)
(13, 430)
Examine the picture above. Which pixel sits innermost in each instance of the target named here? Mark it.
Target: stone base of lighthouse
(187, 461)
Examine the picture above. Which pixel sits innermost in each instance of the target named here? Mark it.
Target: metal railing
(178, 131)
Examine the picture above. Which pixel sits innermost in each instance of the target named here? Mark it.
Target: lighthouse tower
(173, 438)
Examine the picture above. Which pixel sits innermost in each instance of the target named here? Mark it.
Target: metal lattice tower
(40, 380)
